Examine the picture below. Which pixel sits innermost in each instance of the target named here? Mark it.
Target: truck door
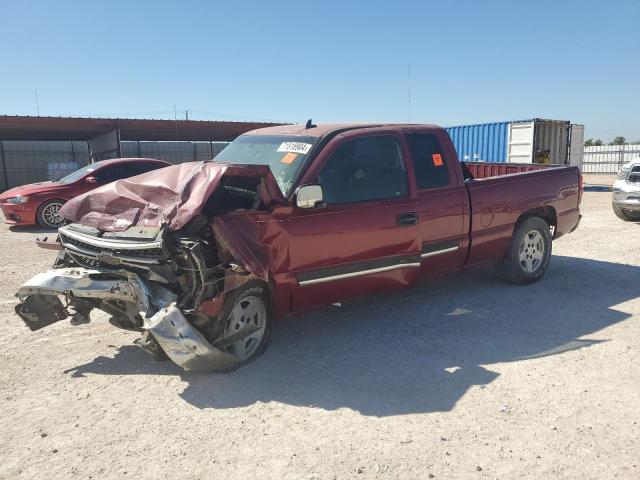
(441, 202)
(365, 238)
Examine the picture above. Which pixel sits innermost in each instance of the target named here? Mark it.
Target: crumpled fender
(258, 242)
(242, 239)
(255, 239)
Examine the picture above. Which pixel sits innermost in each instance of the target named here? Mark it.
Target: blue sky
(471, 61)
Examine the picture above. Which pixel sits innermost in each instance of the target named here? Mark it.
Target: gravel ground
(462, 378)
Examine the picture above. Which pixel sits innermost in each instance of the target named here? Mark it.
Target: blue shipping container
(483, 142)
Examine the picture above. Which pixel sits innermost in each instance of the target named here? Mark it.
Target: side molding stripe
(430, 250)
(357, 269)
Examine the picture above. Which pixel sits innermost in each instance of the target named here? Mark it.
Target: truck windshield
(285, 155)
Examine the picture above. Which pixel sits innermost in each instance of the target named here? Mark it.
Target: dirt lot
(463, 378)
(599, 178)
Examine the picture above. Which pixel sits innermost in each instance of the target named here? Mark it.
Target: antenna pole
(409, 98)
(35, 93)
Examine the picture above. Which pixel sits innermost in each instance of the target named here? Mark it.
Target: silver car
(626, 192)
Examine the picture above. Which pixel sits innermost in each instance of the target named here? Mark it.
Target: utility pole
(186, 114)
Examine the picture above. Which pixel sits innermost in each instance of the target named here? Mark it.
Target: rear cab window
(429, 161)
(364, 169)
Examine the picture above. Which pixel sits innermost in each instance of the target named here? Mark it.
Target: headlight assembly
(17, 200)
(622, 173)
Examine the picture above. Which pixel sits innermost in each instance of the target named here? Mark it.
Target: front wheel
(48, 214)
(626, 215)
(529, 253)
(244, 326)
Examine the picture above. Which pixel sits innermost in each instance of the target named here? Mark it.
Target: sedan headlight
(17, 200)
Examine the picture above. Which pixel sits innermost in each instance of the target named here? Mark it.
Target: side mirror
(91, 180)
(309, 196)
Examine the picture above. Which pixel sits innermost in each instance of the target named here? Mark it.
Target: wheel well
(61, 200)
(266, 286)
(548, 214)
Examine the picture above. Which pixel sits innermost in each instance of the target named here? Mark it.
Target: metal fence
(23, 162)
(608, 158)
(174, 152)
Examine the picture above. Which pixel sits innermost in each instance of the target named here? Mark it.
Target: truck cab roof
(324, 129)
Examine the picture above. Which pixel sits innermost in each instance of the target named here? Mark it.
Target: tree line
(596, 142)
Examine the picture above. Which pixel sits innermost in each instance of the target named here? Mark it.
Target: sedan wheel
(49, 214)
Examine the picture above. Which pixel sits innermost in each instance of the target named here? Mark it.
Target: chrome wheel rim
(51, 215)
(532, 250)
(245, 328)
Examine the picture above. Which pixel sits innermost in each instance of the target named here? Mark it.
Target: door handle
(406, 219)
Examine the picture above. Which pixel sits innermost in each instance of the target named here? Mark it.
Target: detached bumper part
(38, 311)
(85, 283)
(183, 344)
(40, 305)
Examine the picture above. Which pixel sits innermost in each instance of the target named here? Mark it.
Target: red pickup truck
(202, 256)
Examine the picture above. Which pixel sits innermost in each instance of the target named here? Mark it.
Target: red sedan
(40, 203)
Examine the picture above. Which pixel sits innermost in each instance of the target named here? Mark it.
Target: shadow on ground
(412, 352)
(51, 232)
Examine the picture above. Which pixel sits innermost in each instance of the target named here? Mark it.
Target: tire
(626, 215)
(251, 303)
(47, 214)
(529, 253)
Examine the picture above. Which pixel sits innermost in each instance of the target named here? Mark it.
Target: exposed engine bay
(169, 284)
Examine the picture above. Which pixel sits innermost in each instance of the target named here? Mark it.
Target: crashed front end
(168, 280)
(143, 283)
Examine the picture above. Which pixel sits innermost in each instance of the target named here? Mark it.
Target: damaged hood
(172, 196)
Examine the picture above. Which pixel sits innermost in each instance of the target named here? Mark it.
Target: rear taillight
(580, 187)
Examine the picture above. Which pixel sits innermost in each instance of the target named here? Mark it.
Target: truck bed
(499, 193)
(479, 170)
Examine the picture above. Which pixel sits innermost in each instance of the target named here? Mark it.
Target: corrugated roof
(16, 127)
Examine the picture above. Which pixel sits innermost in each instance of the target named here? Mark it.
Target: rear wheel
(626, 215)
(529, 253)
(48, 214)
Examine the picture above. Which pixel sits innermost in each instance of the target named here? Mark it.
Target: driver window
(362, 169)
(111, 174)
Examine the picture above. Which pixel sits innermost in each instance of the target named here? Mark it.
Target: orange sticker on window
(437, 159)
(289, 158)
